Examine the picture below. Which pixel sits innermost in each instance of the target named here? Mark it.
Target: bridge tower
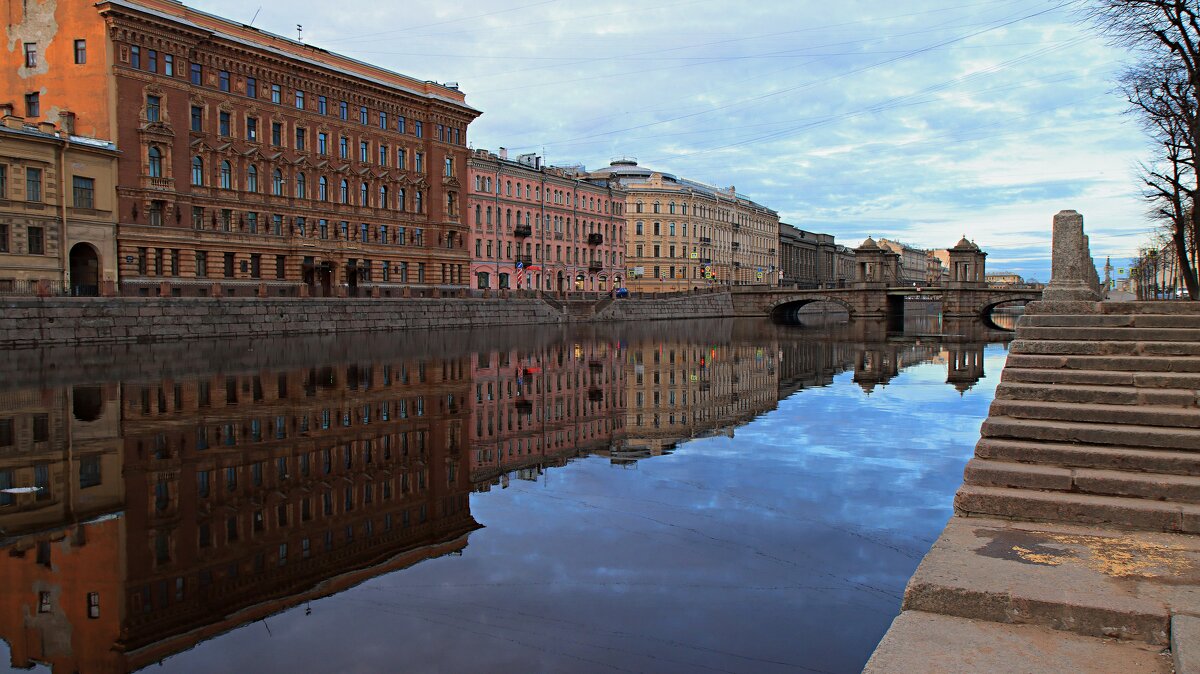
(967, 281)
(876, 268)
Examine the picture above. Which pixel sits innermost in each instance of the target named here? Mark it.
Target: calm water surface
(674, 497)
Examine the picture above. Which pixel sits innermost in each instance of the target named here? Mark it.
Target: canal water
(699, 496)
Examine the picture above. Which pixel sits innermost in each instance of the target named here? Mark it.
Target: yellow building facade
(57, 210)
(682, 234)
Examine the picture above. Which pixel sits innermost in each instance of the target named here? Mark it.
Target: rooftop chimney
(6, 109)
(66, 120)
(504, 153)
(46, 127)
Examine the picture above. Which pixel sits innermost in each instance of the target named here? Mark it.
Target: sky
(919, 121)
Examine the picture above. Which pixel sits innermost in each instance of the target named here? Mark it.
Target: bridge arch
(991, 303)
(781, 310)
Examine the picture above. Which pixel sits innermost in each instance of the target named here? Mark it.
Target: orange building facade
(252, 163)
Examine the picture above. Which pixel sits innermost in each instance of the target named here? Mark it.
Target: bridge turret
(875, 265)
(968, 265)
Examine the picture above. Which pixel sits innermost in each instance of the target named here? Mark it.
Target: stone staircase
(1096, 421)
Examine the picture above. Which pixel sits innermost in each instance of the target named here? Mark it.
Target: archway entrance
(85, 271)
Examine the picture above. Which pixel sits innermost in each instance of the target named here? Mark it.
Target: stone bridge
(878, 303)
(878, 294)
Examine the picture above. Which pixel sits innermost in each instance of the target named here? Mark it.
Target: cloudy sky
(920, 121)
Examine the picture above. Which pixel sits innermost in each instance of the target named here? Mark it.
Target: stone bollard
(1072, 273)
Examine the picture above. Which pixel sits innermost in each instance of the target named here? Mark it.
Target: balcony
(595, 266)
(770, 251)
(595, 239)
(705, 241)
(735, 245)
(595, 394)
(522, 230)
(524, 406)
(706, 260)
(523, 260)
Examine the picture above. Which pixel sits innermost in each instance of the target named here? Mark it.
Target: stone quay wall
(39, 322)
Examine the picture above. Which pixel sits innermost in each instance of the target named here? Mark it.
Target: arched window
(345, 195)
(226, 176)
(508, 218)
(637, 208)
(197, 171)
(656, 207)
(301, 186)
(322, 189)
(383, 196)
(672, 207)
(362, 195)
(419, 204)
(155, 156)
(252, 179)
(478, 215)
(277, 183)
(401, 200)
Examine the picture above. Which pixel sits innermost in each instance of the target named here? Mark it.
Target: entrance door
(85, 271)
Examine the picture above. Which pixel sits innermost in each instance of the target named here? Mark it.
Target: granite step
(1046, 506)
(1075, 333)
(1105, 347)
(1156, 380)
(1144, 437)
(1119, 483)
(1100, 457)
(1162, 308)
(1110, 321)
(931, 643)
(1178, 364)
(1139, 415)
(1100, 395)
(1091, 581)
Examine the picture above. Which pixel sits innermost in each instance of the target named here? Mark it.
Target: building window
(364, 149)
(362, 196)
(345, 192)
(301, 188)
(154, 106)
(252, 129)
(418, 129)
(322, 105)
(155, 213)
(343, 147)
(252, 178)
(80, 52)
(383, 120)
(223, 80)
(197, 73)
(197, 118)
(344, 110)
(33, 105)
(323, 143)
(154, 157)
(449, 166)
(322, 189)
(135, 57)
(301, 134)
(251, 87)
(93, 605)
(226, 176)
(223, 123)
(277, 133)
(277, 183)
(362, 115)
(37, 246)
(276, 93)
(383, 155)
(197, 171)
(201, 264)
(228, 267)
(419, 160)
(84, 192)
(3, 249)
(152, 60)
(168, 64)
(33, 184)
(299, 100)
(43, 602)
(402, 159)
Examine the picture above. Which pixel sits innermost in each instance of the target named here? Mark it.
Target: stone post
(1072, 273)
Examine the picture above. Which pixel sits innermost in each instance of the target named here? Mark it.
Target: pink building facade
(534, 227)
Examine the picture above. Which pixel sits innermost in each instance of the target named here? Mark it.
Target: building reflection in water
(168, 511)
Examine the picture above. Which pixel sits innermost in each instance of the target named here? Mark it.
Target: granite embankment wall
(40, 322)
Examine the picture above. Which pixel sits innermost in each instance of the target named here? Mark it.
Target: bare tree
(1163, 88)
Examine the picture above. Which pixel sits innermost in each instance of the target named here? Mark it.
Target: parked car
(621, 292)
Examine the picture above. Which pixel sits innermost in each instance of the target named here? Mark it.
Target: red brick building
(252, 163)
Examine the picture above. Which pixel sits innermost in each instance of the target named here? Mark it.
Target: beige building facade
(681, 234)
(57, 210)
